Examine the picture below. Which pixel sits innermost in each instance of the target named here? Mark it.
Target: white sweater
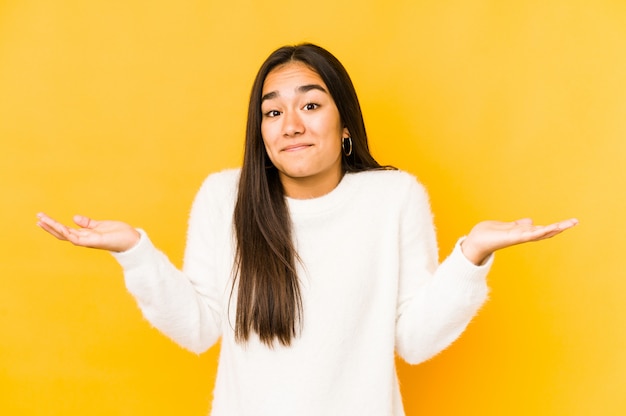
(371, 285)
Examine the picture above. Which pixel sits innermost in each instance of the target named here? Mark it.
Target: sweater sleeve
(435, 302)
(184, 305)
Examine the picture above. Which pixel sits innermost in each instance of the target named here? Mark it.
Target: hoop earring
(346, 146)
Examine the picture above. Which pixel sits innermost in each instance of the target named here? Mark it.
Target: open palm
(105, 235)
(489, 236)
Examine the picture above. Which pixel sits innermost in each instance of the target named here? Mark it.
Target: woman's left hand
(489, 236)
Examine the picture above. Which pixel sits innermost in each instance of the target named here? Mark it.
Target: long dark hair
(268, 292)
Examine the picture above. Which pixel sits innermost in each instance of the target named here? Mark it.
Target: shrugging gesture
(106, 235)
(489, 236)
(484, 238)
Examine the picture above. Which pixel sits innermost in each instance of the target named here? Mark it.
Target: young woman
(313, 263)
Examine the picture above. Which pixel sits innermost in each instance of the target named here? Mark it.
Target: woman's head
(302, 130)
(340, 87)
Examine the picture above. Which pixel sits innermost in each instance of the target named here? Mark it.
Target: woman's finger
(84, 222)
(50, 230)
(549, 231)
(523, 221)
(53, 227)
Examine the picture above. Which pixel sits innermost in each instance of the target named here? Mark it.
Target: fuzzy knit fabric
(371, 287)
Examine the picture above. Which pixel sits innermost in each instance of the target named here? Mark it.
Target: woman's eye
(272, 113)
(311, 106)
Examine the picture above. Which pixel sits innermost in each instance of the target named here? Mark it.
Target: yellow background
(119, 109)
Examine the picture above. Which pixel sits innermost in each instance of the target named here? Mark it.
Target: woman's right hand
(106, 235)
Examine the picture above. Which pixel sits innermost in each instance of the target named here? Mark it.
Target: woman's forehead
(291, 74)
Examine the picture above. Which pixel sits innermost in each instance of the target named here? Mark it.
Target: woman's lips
(296, 147)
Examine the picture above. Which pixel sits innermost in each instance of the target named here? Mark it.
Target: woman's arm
(437, 302)
(187, 306)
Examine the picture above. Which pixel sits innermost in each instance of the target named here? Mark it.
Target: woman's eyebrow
(309, 87)
(301, 89)
(269, 96)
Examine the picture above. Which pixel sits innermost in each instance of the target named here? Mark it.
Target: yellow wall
(118, 109)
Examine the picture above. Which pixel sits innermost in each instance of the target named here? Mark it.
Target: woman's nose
(292, 123)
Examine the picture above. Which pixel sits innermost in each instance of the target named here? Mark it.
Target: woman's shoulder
(395, 178)
(222, 183)
(225, 177)
(391, 185)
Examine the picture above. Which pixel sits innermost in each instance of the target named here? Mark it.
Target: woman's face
(302, 130)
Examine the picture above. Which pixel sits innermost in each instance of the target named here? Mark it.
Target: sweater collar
(328, 202)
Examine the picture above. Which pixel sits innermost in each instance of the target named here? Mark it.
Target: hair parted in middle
(268, 291)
